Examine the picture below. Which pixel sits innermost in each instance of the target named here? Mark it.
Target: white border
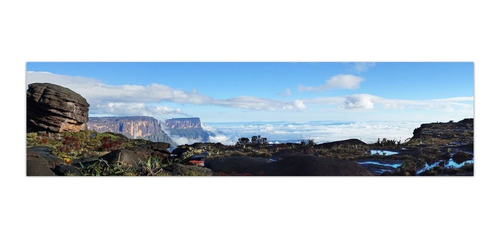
(347, 207)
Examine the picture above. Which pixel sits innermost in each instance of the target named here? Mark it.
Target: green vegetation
(73, 145)
(82, 151)
(102, 168)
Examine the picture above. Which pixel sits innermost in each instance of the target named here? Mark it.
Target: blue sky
(270, 91)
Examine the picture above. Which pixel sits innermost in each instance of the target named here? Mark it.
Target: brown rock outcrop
(133, 127)
(54, 108)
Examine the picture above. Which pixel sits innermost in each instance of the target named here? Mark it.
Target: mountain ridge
(134, 127)
(189, 128)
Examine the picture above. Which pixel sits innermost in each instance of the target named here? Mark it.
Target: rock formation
(41, 161)
(54, 108)
(462, 130)
(134, 127)
(189, 128)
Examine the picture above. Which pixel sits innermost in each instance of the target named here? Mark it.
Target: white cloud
(299, 104)
(134, 99)
(134, 109)
(371, 102)
(342, 81)
(183, 140)
(363, 66)
(255, 103)
(359, 101)
(219, 137)
(128, 100)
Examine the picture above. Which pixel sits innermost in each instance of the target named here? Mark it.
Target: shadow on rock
(237, 165)
(314, 166)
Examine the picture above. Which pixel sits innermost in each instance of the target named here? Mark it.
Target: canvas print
(250, 118)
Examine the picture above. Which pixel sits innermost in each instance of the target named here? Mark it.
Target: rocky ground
(428, 153)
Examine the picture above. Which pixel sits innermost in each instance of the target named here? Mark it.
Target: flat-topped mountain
(189, 128)
(134, 127)
(183, 123)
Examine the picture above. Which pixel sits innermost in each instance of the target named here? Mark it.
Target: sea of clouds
(319, 131)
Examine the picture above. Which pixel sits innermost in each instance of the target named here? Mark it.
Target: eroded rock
(54, 108)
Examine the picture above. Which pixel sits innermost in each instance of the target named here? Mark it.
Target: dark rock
(125, 157)
(65, 170)
(156, 150)
(189, 170)
(284, 153)
(344, 143)
(38, 167)
(40, 161)
(54, 108)
(156, 146)
(461, 157)
(314, 166)
(44, 153)
(237, 164)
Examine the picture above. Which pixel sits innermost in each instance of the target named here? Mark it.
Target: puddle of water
(382, 152)
(381, 164)
(428, 167)
(449, 164)
(453, 164)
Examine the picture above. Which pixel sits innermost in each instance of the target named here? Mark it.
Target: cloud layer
(318, 131)
(371, 102)
(136, 99)
(151, 100)
(349, 82)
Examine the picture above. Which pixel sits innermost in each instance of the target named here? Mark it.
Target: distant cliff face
(189, 128)
(135, 127)
(183, 123)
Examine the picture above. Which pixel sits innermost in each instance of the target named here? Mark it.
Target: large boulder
(41, 161)
(124, 157)
(65, 170)
(38, 167)
(54, 108)
(157, 150)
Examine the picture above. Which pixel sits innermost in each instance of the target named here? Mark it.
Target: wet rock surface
(314, 166)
